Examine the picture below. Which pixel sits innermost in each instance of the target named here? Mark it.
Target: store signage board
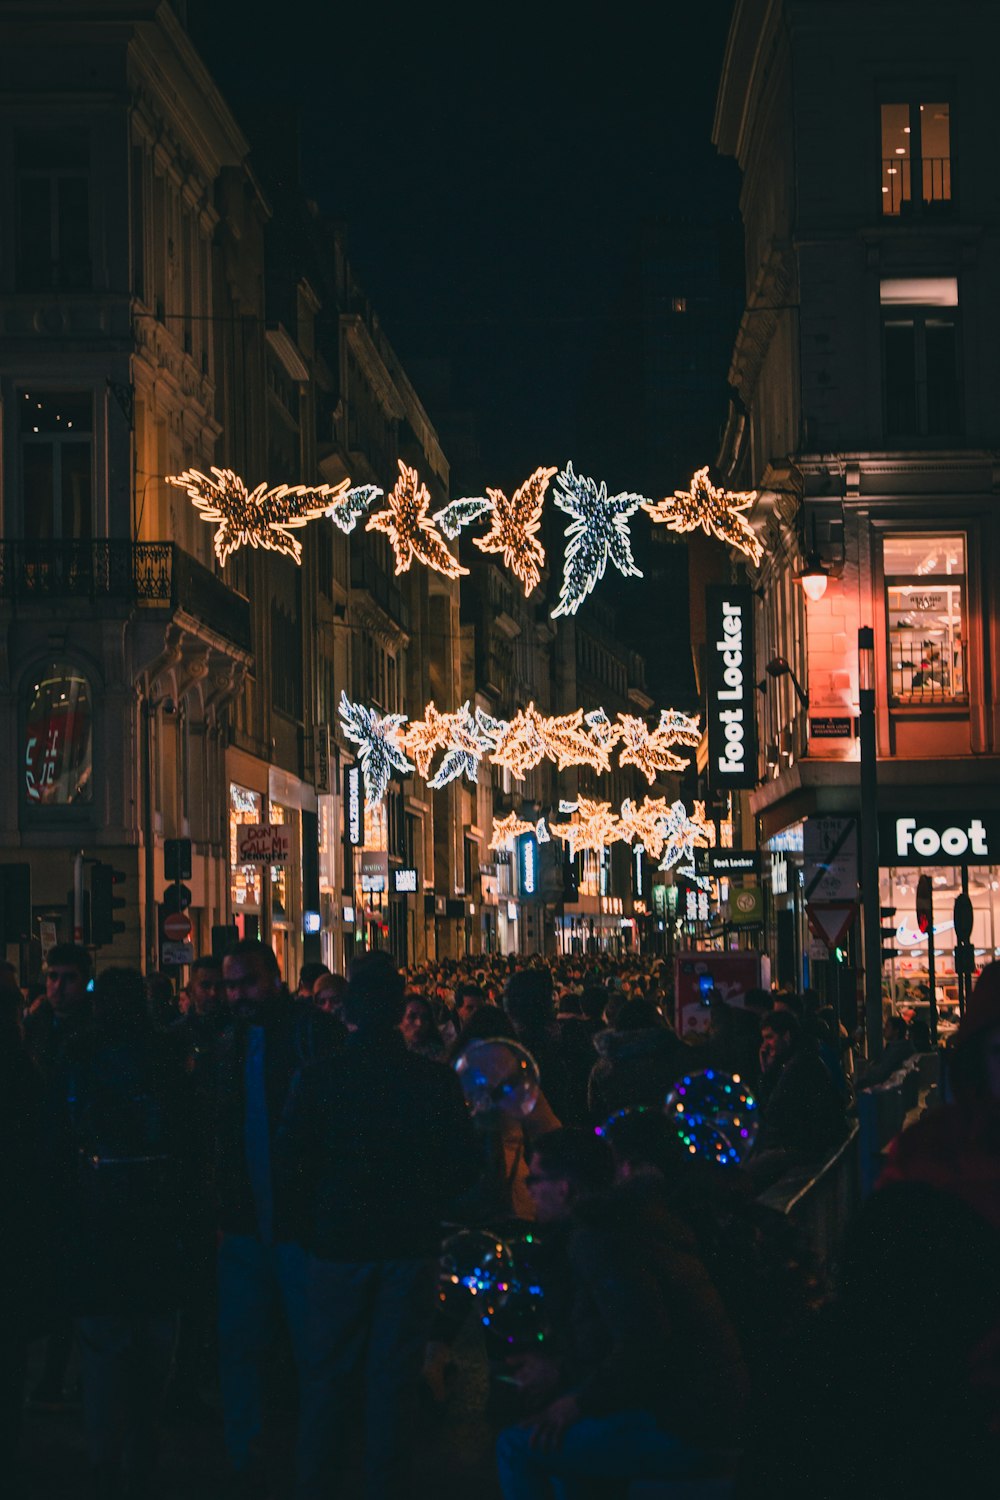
(830, 862)
(527, 865)
(321, 759)
(832, 727)
(263, 844)
(354, 807)
(727, 861)
(732, 707)
(176, 955)
(746, 906)
(375, 870)
(951, 838)
(831, 920)
(404, 882)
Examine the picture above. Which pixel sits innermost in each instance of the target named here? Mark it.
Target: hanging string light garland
(597, 534)
(262, 517)
(718, 512)
(514, 527)
(411, 531)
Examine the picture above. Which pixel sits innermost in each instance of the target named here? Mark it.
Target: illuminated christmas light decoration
(597, 534)
(514, 527)
(718, 512)
(460, 513)
(647, 749)
(569, 744)
(380, 752)
(601, 727)
(683, 833)
(422, 737)
(263, 517)
(411, 532)
(521, 747)
(491, 729)
(595, 827)
(683, 729)
(542, 832)
(506, 830)
(349, 508)
(646, 824)
(465, 748)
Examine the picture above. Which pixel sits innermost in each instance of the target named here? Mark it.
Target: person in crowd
(161, 1000)
(897, 1049)
(638, 1060)
(802, 1114)
(370, 1211)
(308, 976)
(122, 1172)
(469, 997)
(734, 1040)
(650, 1336)
(577, 1031)
(530, 1007)
(328, 994)
(420, 1032)
(260, 1267)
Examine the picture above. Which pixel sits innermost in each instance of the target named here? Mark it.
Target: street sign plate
(830, 920)
(830, 859)
(173, 955)
(177, 927)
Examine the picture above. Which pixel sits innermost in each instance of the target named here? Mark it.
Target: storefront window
(244, 807)
(906, 976)
(926, 608)
(58, 748)
(279, 875)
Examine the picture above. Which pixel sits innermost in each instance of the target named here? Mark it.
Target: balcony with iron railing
(934, 174)
(103, 571)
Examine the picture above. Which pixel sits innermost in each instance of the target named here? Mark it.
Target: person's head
(894, 1028)
(779, 1032)
(790, 1002)
(67, 974)
(252, 977)
(593, 1000)
(418, 1025)
(758, 1001)
(644, 1143)
(205, 987)
(974, 1057)
(920, 1036)
(121, 1001)
(528, 1001)
(308, 975)
(488, 1021)
(373, 1000)
(637, 1015)
(566, 1166)
(469, 996)
(329, 991)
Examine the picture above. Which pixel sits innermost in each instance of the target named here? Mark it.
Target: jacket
(375, 1143)
(634, 1067)
(802, 1112)
(295, 1034)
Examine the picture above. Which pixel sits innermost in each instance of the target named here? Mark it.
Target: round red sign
(177, 926)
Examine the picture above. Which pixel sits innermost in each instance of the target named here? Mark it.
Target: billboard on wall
(731, 710)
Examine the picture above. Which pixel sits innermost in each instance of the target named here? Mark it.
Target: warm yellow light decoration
(262, 517)
(594, 827)
(646, 825)
(718, 512)
(410, 530)
(422, 737)
(514, 525)
(520, 745)
(506, 830)
(569, 744)
(647, 749)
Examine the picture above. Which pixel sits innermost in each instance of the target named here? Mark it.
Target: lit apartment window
(678, 304)
(920, 356)
(53, 208)
(926, 609)
(56, 468)
(916, 157)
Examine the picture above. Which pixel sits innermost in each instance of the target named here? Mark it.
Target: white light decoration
(717, 511)
(411, 531)
(594, 827)
(648, 750)
(646, 824)
(380, 752)
(683, 833)
(460, 513)
(514, 527)
(348, 509)
(542, 832)
(597, 534)
(465, 748)
(263, 517)
(422, 737)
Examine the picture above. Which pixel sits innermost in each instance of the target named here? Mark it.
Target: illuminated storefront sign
(938, 839)
(354, 807)
(527, 864)
(404, 882)
(732, 728)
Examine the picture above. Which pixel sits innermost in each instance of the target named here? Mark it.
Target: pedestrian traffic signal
(104, 903)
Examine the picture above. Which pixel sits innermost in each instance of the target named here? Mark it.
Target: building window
(926, 610)
(678, 304)
(286, 658)
(245, 808)
(53, 205)
(58, 750)
(920, 356)
(57, 486)
(916, 158)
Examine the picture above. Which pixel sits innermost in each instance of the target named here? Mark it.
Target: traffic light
(15, 903)
(104, 903)
(888, 932)
(177, 859)
(925, 903)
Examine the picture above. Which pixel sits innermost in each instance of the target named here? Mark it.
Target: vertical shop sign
(732, 724)
(354, 807)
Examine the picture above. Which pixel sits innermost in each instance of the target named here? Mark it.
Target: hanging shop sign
(732, 725)
(727, 861)
(375, 870)
(950, 838)
(746, 906)
(354, 807)
(527, 865)
(263, 844)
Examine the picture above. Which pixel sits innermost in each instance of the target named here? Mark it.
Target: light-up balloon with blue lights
(498, 1077)
(716, 1115)
(475, 1270)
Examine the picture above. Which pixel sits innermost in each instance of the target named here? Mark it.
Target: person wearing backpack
(122, 1158)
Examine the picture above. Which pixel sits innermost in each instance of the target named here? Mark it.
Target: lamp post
(871, 920)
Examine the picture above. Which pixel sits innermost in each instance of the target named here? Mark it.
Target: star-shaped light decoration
(594, 827)
(683, 729)
(647, 749)
(646, 824)
(465, 748)
(514, 527)
(380, 752)
(598, 534)
(347, 509)
(410, 529)
(263, 517)
(506, 830)
(718, 512)
(683, 834)
(569, 744)
(422, 737)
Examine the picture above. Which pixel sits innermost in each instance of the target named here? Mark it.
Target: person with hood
(639, 1059)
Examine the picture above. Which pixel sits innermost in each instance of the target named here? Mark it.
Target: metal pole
(78, 897)
(931, 971)
(871, 916)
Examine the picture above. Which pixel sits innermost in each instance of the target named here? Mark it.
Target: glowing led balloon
(514, 527)
(475, 1269)
(498, 1078)
(410, 530)
(263, 517)
(347, 510)
(380, 752)
(718, 512)
(598, 534)
(716, 1116)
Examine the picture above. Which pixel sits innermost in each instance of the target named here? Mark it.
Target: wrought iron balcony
(144, 574)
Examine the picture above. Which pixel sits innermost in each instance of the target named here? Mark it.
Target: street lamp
(813, 577)
(779, 666)
(871, 915)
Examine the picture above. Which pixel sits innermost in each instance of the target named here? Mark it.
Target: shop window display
(905, 977)
(926, 607)
(58, 743)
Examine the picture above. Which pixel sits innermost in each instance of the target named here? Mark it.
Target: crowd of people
(208, 1188)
